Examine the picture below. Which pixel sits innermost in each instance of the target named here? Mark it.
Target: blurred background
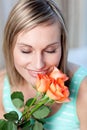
(74, 12)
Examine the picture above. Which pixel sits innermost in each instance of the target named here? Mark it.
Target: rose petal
(56, 73)
(42, 83)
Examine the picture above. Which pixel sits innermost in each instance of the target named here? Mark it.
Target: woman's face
(37, 51)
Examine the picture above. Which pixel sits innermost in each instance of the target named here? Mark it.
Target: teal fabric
(7, 103)
(66, 118)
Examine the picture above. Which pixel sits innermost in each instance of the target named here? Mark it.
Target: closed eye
(53, 51)
(52, 48)
(26, 52)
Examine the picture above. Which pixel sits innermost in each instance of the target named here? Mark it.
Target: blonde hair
(27, 14)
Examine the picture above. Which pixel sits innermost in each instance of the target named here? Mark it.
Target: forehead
(40, 32)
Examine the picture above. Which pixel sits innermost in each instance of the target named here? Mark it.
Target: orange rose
(53, 85)
(43, 83)
(58, 92)
(56, 73)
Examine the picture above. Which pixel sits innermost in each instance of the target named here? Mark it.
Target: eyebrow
(52, 44)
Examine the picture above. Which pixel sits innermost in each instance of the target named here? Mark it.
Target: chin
(32, 82)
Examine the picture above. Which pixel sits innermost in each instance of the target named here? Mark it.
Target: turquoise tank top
(66, 118)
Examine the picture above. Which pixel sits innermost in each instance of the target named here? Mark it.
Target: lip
(35, 73)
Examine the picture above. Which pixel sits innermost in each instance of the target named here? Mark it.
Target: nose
(39, 61)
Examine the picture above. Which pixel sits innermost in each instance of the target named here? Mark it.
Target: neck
(27, 89)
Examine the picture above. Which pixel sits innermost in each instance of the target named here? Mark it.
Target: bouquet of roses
(50, 88)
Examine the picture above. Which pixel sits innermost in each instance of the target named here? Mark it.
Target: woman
(34, 41)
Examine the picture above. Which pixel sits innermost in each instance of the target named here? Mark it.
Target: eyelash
(51, 51)
(27, 52)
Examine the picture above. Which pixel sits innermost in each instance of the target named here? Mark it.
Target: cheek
(54, 59)
(19, 58)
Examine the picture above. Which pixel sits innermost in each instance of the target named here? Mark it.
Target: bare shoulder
(2, 75)
(2, 72)
(82, 95)
(82, 104)
(72, 68)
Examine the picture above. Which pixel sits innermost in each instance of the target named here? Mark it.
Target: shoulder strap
(76, 80)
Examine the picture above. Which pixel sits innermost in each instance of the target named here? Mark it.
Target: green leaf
(11, 116)
(26, 125)
(30, 102)
(38, 126)
(18, 103)
(9, 126)
(17, 99)
(2, 123)
(17, 94)
(42, 112)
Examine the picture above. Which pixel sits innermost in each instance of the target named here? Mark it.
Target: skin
(32, 53)
(37, 51)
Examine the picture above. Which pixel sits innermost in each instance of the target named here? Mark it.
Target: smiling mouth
(35, 73)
